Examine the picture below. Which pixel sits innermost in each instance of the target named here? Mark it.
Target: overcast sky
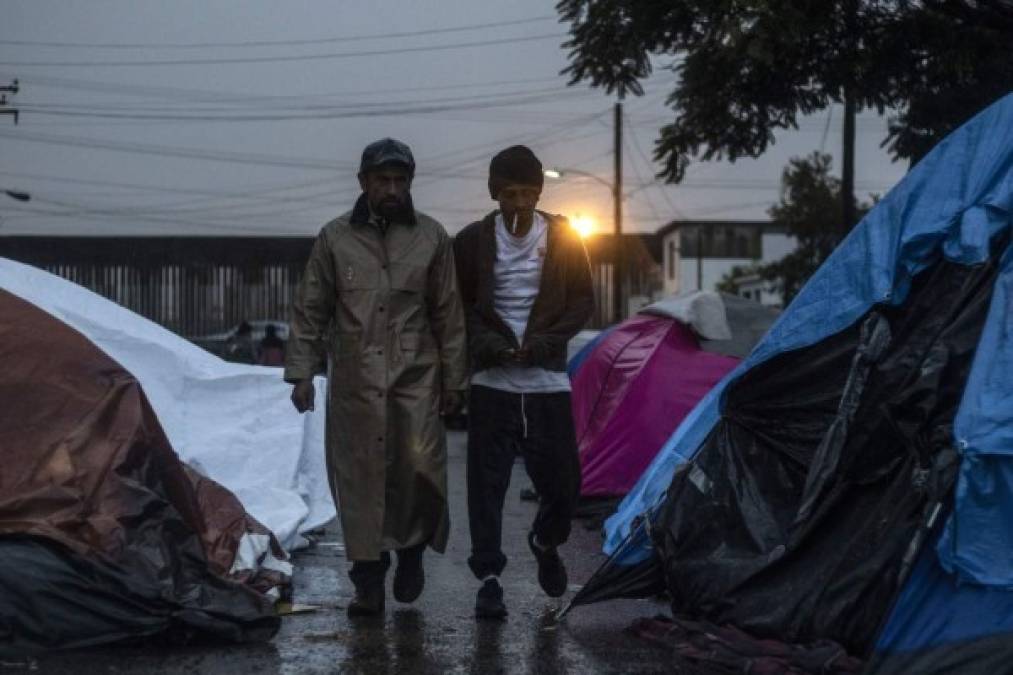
(248, 118)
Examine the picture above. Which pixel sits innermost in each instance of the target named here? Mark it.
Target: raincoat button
(379, 352)
(379, 394)
(381, 309)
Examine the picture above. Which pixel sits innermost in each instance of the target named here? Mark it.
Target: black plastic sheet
(798, 517)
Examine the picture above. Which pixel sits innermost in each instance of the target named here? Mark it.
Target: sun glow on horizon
(584, 225)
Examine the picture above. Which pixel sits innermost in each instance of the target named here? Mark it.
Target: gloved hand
(515, 357)
(303, 394)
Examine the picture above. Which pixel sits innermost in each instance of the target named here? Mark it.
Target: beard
(395, 210)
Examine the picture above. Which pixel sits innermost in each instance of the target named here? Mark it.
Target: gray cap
(387, 151)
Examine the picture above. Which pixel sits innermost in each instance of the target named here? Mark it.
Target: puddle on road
(332, 636)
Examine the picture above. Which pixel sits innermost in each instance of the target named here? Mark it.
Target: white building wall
(680, 274)
(761, 291)
(714, 269)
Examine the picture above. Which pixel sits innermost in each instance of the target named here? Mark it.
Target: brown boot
(409, 576)
(368, 578)
(367, 602)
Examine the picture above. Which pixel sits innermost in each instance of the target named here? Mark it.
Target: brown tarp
(103, 534)
(225, 522)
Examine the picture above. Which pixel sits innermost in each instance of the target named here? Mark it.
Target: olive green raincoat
(383, 311)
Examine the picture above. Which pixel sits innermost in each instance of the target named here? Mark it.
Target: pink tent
(632, 392)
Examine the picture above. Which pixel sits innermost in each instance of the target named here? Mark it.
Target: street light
(558, 174)
(18, 195)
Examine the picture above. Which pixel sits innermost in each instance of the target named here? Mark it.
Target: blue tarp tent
(942, 230)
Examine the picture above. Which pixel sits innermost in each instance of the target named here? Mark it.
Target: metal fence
(196, 286)
(191, 285)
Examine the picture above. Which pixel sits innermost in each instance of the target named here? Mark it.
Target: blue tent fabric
(950, 205)
(977, 544)
(935, 609)
(940, 625)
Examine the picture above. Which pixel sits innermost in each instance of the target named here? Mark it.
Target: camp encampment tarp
(869, 430)
(105, 534)
(634, 384)
(233, 423)
(631, 393)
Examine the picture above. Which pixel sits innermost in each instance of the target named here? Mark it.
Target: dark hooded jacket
(563, 306)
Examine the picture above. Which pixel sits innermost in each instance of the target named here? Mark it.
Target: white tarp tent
(232, 422)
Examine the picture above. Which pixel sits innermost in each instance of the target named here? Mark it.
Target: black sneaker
(551, 572)
(489, 601)
(409, 577)
(367, 602)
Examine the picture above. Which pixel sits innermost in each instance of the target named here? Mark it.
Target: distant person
(271, 351)
(379, 298)
(240, 346)
(526, 284)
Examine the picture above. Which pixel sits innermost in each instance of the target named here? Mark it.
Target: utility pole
(848, 168)
(848, 150)
(618, 268)
(4, 110)
(699, 256)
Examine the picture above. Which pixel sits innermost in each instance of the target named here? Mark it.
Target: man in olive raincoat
(379, 304)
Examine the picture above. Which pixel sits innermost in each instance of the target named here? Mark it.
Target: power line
(203, 95)
(480, 114)
(329, 106)
(271, 160)
(236, 213)
(650, 202)
(253, 193)
(229, 226)
(210, 200)
(664, 193)
(511, 139)
(344, 167)
(864, 124)
(323, 114)
(277, 43)
(185, 153)
(826, 129)
(456, 165)
(289, 58)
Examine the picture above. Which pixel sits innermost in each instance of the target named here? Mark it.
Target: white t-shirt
(517, 275)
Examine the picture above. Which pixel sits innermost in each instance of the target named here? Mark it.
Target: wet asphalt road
(438, 634)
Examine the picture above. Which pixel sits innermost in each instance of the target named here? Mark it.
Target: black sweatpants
(540, 428)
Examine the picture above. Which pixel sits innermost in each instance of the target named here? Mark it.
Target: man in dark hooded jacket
(526, 288)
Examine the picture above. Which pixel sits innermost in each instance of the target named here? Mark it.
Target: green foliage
(747, 68)
(808, 210)
(730, 281)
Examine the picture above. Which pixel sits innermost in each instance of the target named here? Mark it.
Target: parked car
(225, 343)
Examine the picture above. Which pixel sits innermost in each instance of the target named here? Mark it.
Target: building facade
(698, 254)
(642, 273)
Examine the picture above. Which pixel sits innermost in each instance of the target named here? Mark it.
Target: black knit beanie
(517, 164)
